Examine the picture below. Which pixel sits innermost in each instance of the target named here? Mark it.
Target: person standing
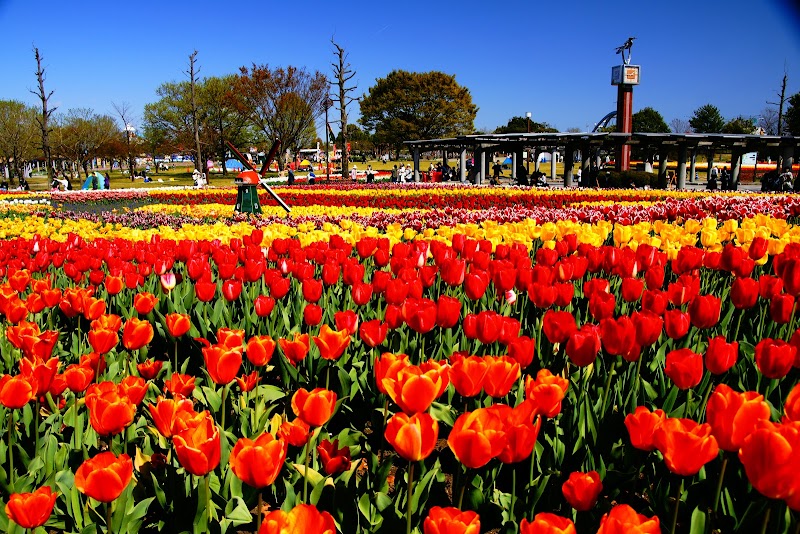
(394, 174)
(354, 174)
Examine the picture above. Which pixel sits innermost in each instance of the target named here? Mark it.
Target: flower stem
(677, 505)
(208, 504)
(36, 426)
(309, 451)
(258, 510)
(463, 487)
(175, 367)
(224, 396)
(410, 494)
(765, 524)
(719, 482)
(11, 447)
(108, 515)
(513, 494)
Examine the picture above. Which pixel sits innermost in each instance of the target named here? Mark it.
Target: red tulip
(584, 345)
(632, 289)
(558, 326)
(222, 363)
(477, 437)
(248, 382)
(721, 355)
(177, 324)
(502, 373)
(547, 523)
(166, 411)
(414, 389)
(618, 335)
(448, 311)
(774, 357)
(648, 327)
(180, 385)
(547, 391)
(744, 293)
(334, 460)
(451, 521)
(263, 305)
(624, 519)
(301, 518)
(312, 315)
(676, 323)
(521, 432)
(78, 377)
(294, 433)
(781, 308)
(582, 489)
(197, 447)
(296, 349)
(769, 456)
(373, 333)
(522, 349)
(733, 416)
(684, 367)
(791, 408)
(685, 445)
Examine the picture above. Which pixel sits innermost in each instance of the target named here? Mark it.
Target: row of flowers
(445, 384)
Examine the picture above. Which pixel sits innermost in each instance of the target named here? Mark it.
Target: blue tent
(508, 161)
(233, 164)
(88, 183)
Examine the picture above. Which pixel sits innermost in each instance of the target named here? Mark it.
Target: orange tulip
(623, 518)
(149, 369)
(477, 437)
(104, 477)
(468, 374)
(179, 385)
(388, 365)
(791, 408)
(222, 363)
(114, 284)
(17, 391)
(412, 437)
(198, 446)
(303, 518)
(259, 350)
(294, 433)
(296, 349)
(78, 377)
(685, 445)
(136, 334)
(164, 412)
(257, 463)
(451, 521)
(248, 382)
(41, 371)
(230, 338)
(769, 456)
(413, 389)
(103, 340)
(133, 387)
(314, 407)
(144, 302)
(331, 343)
(733, 416)
(109, 411)
(107, 321)
(501, 375)
(31, 510)
(547, 391)
(177, 324)
(546, 523)
(641, 424)
(93, 308)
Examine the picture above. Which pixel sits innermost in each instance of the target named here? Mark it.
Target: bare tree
(781, 102)
(46, 113)
(342, 73)
(126, 116)
(680, 126)
(200, 165)
(768, 120)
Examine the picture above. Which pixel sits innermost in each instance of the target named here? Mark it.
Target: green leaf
(237, 513)
(698, 525)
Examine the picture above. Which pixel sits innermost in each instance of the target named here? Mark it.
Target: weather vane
(626, 46)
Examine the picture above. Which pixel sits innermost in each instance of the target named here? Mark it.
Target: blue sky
(552, 59)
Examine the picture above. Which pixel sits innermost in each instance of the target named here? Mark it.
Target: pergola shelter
(687, 146)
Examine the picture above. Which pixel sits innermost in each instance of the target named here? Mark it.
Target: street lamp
(528, 115)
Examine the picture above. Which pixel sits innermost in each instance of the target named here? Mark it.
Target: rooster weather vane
(626, 46)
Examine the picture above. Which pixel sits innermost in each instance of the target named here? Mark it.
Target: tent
(508, 161)
(305, 163)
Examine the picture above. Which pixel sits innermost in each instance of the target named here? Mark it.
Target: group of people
(715, 176)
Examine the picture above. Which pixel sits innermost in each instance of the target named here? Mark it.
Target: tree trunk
(199, 163)
(43, 123)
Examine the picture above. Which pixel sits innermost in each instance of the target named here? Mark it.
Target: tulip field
(400, 358)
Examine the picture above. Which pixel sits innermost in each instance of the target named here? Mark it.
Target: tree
(707, 119)
(768, 121)
(342, 74)
(126, 116)
(43, 121)
(407, 106)
(739, 125)
(680, 126)
(780, 103)
(520, 124)
(17, 134)
(648, 120)
(82, 133)
(220, 120)
(793, 115)
(282, 103)
(168, 121)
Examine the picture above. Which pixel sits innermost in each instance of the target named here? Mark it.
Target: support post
(787, 155)
(514, 166)
(482, 167)
(736, 168)
(462, 165)
(662, 166)
(585, 165)
(569, 162)
(416, 164)
(710, 164)
(693, 166)
(553, 164)
(682, 153)
(624, 125)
